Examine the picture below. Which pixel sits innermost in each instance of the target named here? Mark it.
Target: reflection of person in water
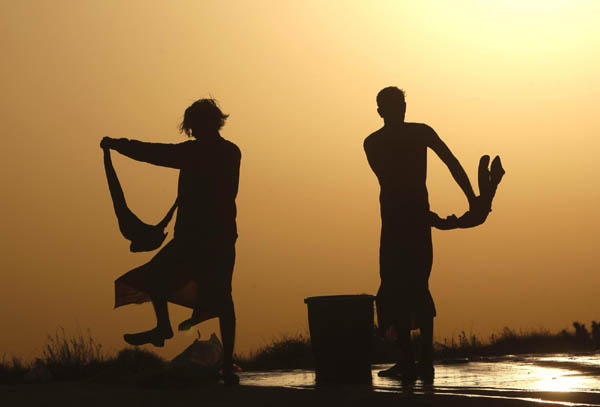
(195, 268)
(397, 153)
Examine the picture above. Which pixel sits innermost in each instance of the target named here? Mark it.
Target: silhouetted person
(397, 153)
(195, 268)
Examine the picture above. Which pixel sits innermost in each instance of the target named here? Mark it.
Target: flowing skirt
(192, 275)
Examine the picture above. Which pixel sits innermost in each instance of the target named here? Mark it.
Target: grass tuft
(511, 342)
(76, 357)
(285, 352)
(135, 360)
(12, 371)
(71, 357)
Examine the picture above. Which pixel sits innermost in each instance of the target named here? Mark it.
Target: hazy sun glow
(515, 78)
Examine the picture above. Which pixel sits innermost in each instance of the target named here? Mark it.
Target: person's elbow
(452, 162)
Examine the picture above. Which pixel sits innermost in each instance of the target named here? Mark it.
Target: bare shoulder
(422, 128)
(372, 138)
(424, 131)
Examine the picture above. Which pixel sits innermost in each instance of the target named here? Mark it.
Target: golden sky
(299, 78)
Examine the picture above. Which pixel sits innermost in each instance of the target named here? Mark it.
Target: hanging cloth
(143, 237)
(488, 180)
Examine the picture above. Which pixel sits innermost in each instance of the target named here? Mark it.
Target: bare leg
(406, 354)
(163, 322)
(195, 319)
(227, 325)
(162, 330)
(405, 365)
(427, 341)
(425, 368)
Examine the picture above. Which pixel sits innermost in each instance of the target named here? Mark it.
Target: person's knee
(402, 335)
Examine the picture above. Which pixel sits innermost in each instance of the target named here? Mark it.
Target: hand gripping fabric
(478, 213)
(143, 237)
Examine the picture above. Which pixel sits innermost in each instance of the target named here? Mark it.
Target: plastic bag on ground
(202, 360)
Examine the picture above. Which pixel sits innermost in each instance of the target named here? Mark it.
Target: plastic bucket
(341, 334)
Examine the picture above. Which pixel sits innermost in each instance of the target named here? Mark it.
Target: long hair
(204, 115)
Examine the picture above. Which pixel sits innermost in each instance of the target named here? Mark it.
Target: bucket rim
(339, 298)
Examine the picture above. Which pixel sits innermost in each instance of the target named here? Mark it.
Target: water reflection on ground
(510, 374)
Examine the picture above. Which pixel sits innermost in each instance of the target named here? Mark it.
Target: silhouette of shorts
(406, 257)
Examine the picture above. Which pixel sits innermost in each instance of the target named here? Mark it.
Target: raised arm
(165, 155)
(457, 171)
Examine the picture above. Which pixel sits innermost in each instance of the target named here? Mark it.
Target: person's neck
(208, 135)
(393, 123)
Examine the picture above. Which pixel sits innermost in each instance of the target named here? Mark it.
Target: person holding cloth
(195, 268)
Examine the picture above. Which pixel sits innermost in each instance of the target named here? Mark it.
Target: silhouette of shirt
(208, 183)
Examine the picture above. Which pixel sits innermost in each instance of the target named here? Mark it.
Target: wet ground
(513, 381)
(562, 378)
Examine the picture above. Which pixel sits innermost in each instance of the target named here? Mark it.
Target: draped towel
(488, 180)
(143, 237)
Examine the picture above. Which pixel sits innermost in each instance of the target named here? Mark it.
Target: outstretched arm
(457, 171)
(165, 155)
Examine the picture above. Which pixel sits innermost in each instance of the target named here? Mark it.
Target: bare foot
(167, 333)
(190, 322)
(154, 336)
(231, 379)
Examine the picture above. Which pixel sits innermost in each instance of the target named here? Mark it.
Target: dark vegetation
(287, 352)
(79, 356)
(293, 352)
(510, 342)
(76, 357)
